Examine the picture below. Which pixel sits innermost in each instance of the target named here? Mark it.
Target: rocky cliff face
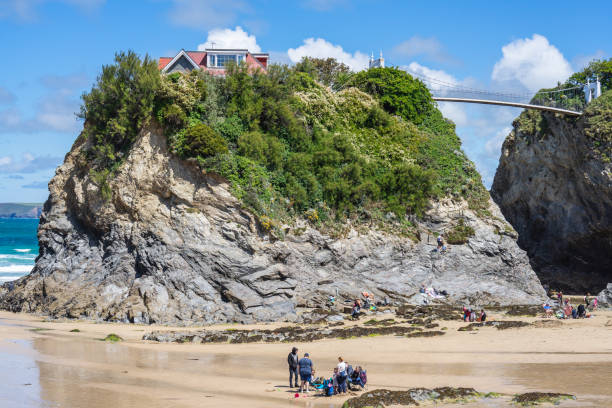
(554, 185)
(173, 245)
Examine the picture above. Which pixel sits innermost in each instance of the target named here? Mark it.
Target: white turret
(379, 63)
(592, 90)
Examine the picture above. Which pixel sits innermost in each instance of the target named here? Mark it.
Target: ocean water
(18, 247)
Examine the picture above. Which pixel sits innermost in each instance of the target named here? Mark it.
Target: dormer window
(221, 60)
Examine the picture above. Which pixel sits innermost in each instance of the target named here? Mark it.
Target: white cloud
(533, 62)
(320, 48)
(451, 110)
(438, 74)
(28, 163)
(55, 110)
(429, 47)
(204, 14)
(279, 57)
(580, 62)
(228, 38)
(493, 146)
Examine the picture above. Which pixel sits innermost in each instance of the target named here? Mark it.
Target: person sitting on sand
(547, 310)
(306, 369)
(335, 380)
(358, 377)
(567, 309)
(483, 316)
(581, 311)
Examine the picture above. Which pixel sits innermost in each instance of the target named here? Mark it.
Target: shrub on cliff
(201, 141)
(399, 93)
(460, 233)
(117, 107)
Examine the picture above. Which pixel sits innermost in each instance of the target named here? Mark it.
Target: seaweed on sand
(535, 398)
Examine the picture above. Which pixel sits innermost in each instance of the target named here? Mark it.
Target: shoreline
(145, 373)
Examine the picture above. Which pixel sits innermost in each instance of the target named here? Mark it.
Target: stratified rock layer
(554, 185)
(173, 245)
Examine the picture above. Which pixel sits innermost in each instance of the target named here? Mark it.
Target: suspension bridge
(568, 101)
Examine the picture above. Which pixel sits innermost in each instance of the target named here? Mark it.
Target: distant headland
(20, 210)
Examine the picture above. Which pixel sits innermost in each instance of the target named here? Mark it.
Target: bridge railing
(569, 98)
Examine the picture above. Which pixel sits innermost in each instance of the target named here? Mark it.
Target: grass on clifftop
(597, 115)
(289, 145)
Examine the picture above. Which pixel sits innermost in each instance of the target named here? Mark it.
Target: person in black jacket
(292, 360)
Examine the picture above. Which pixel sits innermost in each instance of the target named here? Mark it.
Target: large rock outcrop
(554, 185)
(173, 245)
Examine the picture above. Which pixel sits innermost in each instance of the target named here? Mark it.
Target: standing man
(292, 360)
(306, 369)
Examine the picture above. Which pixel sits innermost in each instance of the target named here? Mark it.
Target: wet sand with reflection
(57, 368)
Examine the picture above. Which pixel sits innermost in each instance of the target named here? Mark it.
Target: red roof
(199, 57)
(163, 61)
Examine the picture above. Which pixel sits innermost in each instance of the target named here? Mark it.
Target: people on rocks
(356, 309)
(292, 360)
(441, 246)
(306, 369)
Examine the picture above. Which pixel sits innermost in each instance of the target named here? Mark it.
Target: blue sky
(54, 49)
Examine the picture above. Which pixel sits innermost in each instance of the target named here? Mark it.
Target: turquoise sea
(18, 247)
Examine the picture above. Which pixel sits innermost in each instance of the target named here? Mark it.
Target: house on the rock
(213, 61)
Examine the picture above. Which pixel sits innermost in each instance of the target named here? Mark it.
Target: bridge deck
(502, 103)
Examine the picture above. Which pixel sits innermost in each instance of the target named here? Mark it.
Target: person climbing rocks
(292, 360)
(306, 369)
(441, 247)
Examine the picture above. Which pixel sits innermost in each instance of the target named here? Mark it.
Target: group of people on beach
(567, 311)
(469, 315)
(343, 375)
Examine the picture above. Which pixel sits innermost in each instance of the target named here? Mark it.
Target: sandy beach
(45, 364)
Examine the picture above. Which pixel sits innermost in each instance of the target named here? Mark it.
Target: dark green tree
(398, 92)
(118, 106)
(202, 141)
(328, 71)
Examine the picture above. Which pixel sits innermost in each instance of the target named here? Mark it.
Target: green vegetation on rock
(288, 144)
(113, 338)
(460, 233)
